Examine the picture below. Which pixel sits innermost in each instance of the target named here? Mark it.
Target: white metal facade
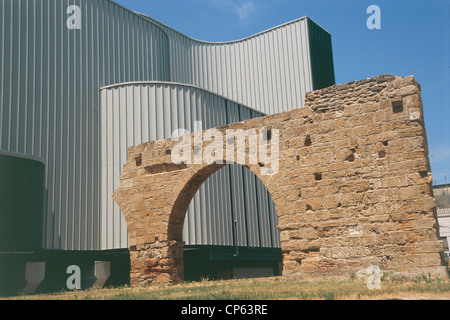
(269, 71)
(50, 80)
(146, 111)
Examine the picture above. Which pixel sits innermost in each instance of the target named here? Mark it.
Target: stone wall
(353, 188)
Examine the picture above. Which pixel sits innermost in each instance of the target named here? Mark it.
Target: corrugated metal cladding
(270, 71)
(322, 64)
(51, 77)
(139, 112)
(50, 80)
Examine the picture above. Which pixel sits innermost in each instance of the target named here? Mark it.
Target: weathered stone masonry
(353, 187)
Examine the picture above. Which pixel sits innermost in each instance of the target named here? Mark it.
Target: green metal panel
(217, 262)
(321, 52)
(21, 203)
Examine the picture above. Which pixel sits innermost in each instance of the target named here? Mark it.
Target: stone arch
(180, 197)
(190, 183)
(352, 189)
(154, 194)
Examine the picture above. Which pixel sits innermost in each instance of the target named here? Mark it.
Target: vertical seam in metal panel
(291, 81)
(271, 228)
(278, 63)
(77, 207)
(145, 50)
(19, 24)
(311, 70)
(69, 106)
(253, 45)
(65, 135)
(136, 49)
(233, 229)
(50, 203)
(286, 90)
(292, 70)
(18, 79)
(44, 218)
(256, 70)
(264, 75)
(84, 115)
(300, 68)
(76, 177)
(25, 116)
(244, 196)
(67, 114)
(257, 210)
(88, 206)
(270, 66)
(40, 151)
(33, 124)
(237, 62)
(55, 134)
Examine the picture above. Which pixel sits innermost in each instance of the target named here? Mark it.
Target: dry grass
(275, 288)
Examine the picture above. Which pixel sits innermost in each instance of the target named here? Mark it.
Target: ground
(274, 288)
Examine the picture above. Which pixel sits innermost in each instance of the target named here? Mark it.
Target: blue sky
(414, 39)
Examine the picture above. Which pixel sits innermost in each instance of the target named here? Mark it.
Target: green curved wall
(21, 203)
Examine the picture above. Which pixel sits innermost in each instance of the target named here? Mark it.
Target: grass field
(275, 288)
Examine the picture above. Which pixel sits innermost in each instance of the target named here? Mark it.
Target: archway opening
(229, 226)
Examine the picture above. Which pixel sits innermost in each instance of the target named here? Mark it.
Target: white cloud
(241, 8)
(244, 10)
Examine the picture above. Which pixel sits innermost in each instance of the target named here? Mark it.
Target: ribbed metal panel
(322, 65)
(138, 112)
(49, 98)
(50, 78)
(270, 71)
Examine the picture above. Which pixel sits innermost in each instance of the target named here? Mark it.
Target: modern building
(442, 195)
(81, 81)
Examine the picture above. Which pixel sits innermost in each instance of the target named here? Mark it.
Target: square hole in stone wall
(397, 106)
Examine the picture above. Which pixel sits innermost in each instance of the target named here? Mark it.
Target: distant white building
(442, 195)
(444, 228)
